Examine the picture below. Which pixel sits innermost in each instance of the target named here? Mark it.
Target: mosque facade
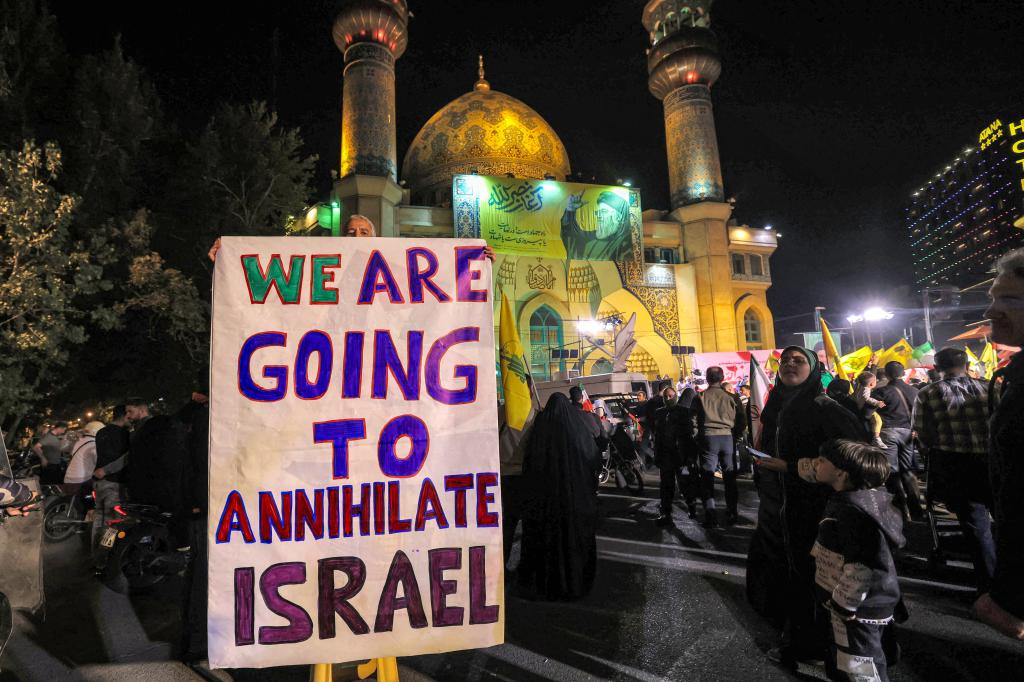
(698, 280)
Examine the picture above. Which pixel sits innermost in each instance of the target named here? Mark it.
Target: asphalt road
(668, 603)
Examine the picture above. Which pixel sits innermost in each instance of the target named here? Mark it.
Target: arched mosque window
(545, 335)
(752, 328)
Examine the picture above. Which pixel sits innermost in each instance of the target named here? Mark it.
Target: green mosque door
(545, 334)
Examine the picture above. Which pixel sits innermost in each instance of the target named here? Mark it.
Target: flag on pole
(972, 359)
(831, 353)
(759, 388)
(521, 401)
(901, 352)
(856, 362)
(515, 373)
(588, 406)
(922, 350)
(990, 359)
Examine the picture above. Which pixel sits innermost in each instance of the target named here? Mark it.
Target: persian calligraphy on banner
(549, 219)
(354, 501)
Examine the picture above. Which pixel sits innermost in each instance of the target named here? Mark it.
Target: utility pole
(926, 293)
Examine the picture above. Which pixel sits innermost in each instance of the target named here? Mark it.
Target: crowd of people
(837, 476)
(138, 457)
(836, 472)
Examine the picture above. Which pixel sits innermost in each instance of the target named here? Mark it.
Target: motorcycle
(141, 554)
(24, 464)
(66, 514)
(623, 463)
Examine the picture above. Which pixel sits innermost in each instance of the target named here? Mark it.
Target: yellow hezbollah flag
(514, 381)
(972, 357)
(990, 357)
(856, 362)
(901, 352)
(831, 353)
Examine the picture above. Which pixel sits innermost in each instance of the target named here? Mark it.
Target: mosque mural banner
(549, 219)
(354, 493)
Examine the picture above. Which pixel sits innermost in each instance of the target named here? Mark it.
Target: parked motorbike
(623, 463)
(141, 553)
(24, 464)
(65, 513)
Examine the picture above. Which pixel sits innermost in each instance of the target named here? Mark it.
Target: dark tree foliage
(108, 210)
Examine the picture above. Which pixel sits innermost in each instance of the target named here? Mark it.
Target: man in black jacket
(899, 398)
(195, 418)
(1003, 607)
(111, 460)
(158, 467)
(674, 446)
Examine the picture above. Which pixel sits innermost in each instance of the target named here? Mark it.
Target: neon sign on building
(995, 130)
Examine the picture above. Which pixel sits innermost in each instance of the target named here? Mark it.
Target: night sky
(829, 114)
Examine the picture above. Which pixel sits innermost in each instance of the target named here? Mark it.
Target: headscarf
(782, 395)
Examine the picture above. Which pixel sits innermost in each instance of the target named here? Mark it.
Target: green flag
(922, 350)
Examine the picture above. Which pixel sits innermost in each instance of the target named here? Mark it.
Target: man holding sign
(353, 465)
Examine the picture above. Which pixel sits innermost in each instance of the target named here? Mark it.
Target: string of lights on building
(960, 215)
(968, 234)
(956, 228)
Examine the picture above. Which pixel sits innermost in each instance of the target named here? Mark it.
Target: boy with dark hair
(854, 568)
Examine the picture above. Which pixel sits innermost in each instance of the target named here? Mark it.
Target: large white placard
(354, 498)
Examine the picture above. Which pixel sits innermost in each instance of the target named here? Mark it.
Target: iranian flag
(587, 405)
(759, 388)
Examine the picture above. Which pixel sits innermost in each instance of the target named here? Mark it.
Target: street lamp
(877, 314)
(872, 314)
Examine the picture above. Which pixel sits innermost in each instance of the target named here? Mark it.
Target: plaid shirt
(952, 415)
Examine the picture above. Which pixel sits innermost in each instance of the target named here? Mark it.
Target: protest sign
(354, 499)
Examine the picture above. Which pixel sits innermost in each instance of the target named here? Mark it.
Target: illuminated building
(699, 280)
(964, 216)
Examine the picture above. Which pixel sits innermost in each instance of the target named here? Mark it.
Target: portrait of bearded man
(611, 237)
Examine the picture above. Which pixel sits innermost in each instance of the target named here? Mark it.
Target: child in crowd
(866, 382)
(854, 569)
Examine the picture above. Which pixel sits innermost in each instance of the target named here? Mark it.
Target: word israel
(332, 601)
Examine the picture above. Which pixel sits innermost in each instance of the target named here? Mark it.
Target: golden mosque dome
(484, 131)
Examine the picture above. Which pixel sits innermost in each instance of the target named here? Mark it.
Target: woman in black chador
(559, 547)
(797, 419)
